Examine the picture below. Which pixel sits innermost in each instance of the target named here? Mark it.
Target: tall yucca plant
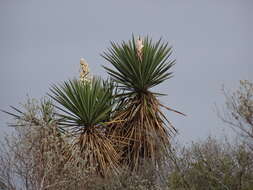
(140, 65)
(86, 107)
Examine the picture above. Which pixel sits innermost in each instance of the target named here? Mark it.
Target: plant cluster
(112, 123)
(110, 134)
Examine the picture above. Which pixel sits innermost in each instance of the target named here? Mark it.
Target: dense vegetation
(111, 134)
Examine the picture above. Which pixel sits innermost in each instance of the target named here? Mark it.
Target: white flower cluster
(84, 71)
(139, 47)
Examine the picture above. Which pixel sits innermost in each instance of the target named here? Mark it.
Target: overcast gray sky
(41, 42)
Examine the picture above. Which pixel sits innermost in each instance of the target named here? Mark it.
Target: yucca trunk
(97, 151)
(143, 134)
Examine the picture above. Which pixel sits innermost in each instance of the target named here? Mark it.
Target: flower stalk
(84, 71)
(139, 47)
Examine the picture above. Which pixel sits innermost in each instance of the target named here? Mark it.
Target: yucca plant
(140, 65)
(86, 107)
